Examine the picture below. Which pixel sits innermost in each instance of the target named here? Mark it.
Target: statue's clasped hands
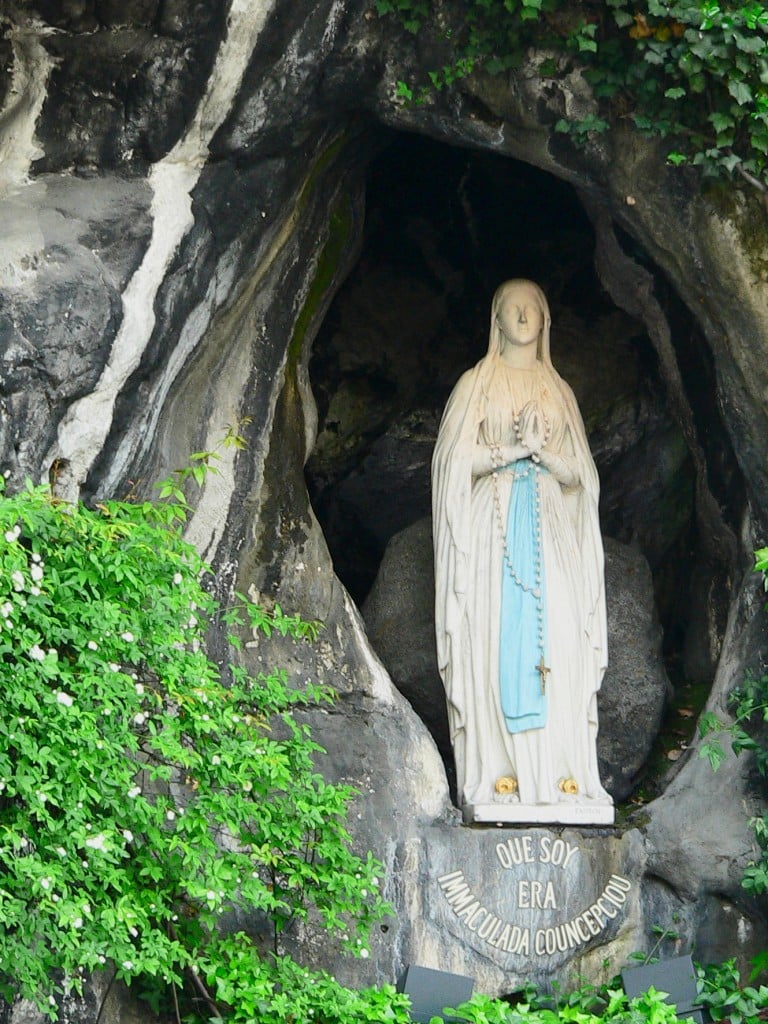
(532, 429)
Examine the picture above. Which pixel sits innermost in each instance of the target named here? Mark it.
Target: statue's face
(519, 315)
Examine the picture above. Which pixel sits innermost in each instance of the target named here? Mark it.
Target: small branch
(273, 876)
(207, 997)
(197, 982)
(175, 1002)
(754, 181)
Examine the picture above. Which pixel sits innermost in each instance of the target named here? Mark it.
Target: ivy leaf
(709, 722)
(697, 83)
(759, 139)
(750, 44)
(714, 753)
(653, 57)
(676, 93)
(721, 121)
(740, 91)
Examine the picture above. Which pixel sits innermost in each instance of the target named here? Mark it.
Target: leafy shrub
(693, 71)
(720, 991)
(719, 987)
(144, 791)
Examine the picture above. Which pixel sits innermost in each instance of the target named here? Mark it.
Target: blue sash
(521, 644)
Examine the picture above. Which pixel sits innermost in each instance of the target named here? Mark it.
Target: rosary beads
(521, 471)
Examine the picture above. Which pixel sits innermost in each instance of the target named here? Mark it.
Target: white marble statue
(520, 596)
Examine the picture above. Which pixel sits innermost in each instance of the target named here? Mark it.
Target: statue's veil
(451, 502)
(487, 366)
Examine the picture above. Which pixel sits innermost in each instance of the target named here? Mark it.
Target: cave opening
(444, 227)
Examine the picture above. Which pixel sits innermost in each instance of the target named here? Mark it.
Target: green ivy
(146, 793)
(692, 71)
(721, 992)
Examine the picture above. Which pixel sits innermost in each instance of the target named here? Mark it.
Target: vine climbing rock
(182, 193)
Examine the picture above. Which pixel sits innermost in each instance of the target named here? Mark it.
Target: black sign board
(676, 977)
(431, 990)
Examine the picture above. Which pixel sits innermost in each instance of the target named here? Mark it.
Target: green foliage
(719, 986)
(411, 12)
(746, 732)
(588, 1004)
(171, 489)
(662, 934)
(287, 992)
(721, 992)
(695, 71)
(583, 129)
(144, 791)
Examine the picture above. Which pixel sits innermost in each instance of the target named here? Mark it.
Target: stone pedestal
(541, 814)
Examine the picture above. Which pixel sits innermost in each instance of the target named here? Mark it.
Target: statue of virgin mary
(520, 597)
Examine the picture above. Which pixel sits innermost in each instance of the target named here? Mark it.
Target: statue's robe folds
(469, 546)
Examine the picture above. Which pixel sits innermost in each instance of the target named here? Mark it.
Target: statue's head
(520, 314)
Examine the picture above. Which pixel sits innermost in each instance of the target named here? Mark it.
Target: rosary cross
(543, 671)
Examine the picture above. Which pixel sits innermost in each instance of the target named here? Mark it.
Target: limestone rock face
(181, 195)
(399, 615)
(635, 688)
